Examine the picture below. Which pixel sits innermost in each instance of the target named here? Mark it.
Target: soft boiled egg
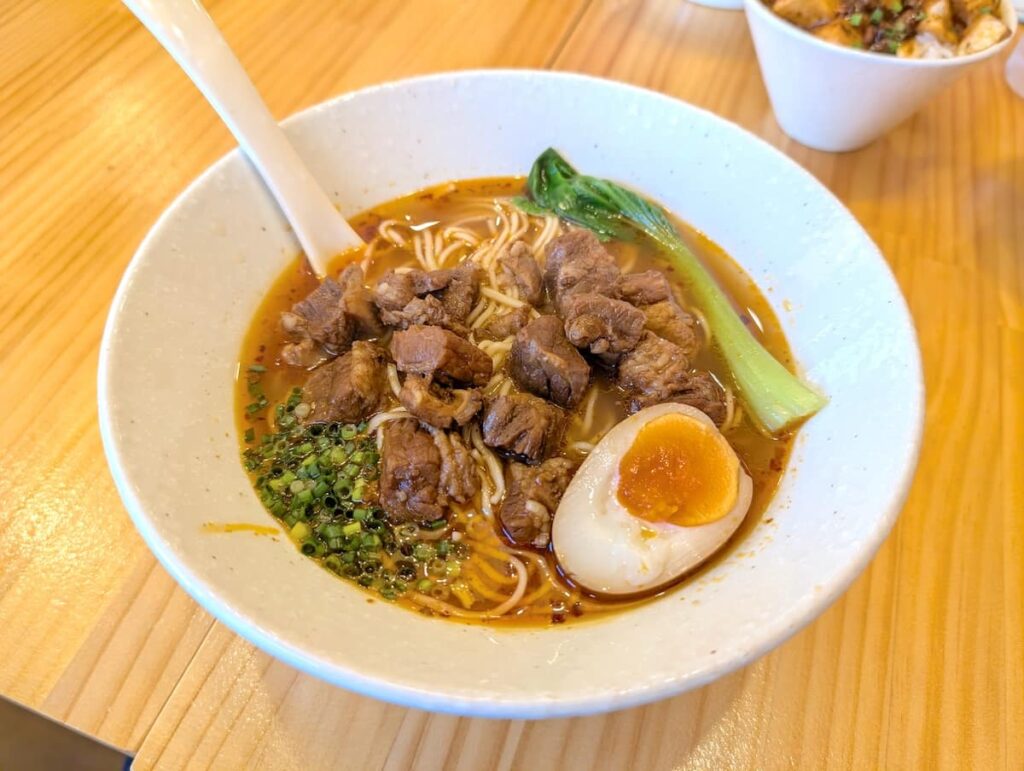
(658, 495)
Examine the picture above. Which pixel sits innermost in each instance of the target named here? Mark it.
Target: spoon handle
(188, 33)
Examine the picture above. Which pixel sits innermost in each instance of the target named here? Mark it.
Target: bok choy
(776, 399)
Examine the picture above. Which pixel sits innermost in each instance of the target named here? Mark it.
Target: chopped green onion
(856, 19)
(331, 530)
(424, 585)
(423, 552)
(257, 368)
(876, 16)
(333, 562)
(306, 475)
(310, 547)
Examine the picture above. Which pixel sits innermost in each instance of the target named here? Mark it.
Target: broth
(448, 205)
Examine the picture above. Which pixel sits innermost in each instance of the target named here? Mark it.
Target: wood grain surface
(919, 665)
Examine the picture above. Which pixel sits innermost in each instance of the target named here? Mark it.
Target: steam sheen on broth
(460, 565)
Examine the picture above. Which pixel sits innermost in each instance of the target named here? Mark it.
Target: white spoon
(188, 33)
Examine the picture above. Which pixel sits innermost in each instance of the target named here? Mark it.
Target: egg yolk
(679, 471)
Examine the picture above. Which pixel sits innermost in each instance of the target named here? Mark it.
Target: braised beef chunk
(423, 470)
(519, 268)
(703, 392)
(645, 288)
(459, 296)
(357, 303)
(410, 473)
(304, 353)
(438, 406)
(348, 388)
(321, 318)
(544, 362)
(459, 481)
(658, 371)
(532, 498)
(504, 325)
(426, 310)
(523, 426)
(331, 316)
(394, 290)
(441, 355)
(668, 320)
(653, 368)
(605, 327)
(578, 262)
(439, 297)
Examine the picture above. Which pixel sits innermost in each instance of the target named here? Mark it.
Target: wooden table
(919, 665)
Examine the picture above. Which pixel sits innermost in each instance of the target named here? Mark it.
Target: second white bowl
(837, 99)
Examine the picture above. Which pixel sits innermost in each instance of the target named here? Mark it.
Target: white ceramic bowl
(833, 98)
(168, 363)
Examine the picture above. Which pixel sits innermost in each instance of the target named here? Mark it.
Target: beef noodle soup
(415, 420)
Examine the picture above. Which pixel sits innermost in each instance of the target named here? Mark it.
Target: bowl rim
(765, 14)
(786, 625)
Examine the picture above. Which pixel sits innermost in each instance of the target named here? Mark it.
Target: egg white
(606, 549)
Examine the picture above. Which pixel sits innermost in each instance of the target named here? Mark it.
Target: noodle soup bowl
(169, 361)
